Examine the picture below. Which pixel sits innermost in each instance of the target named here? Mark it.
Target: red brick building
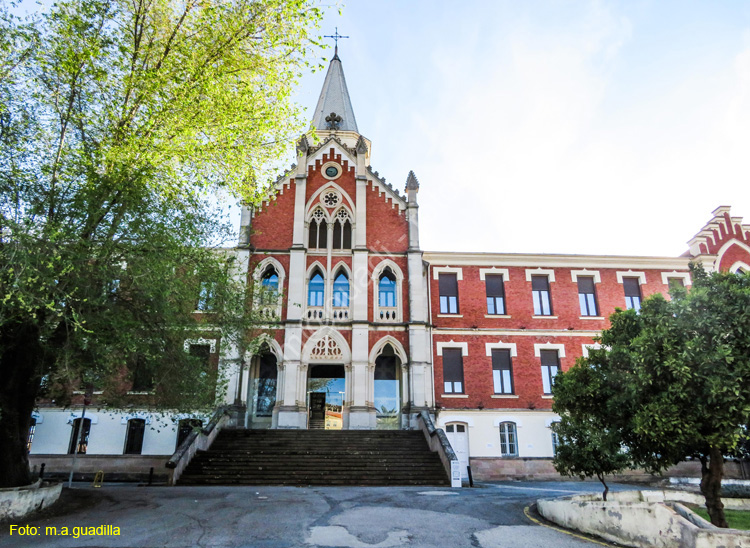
(477, 337)
(365, 329)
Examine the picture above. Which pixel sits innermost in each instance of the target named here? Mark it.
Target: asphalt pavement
(490, 515)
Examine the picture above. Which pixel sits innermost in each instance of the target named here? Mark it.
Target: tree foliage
(669, 383)
(118, 120)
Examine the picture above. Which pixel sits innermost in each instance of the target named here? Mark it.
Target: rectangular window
(632, 288)
(508, 440)
(203, 353)
(587, 296)
(550, 367)
(675, 282)
(453, 371)
(207, 296)
(30, 439)
(79, 439)
(555, 441)
(448, 286)
(502, 371)
(540, 293)
(134, 437)
(495, 294)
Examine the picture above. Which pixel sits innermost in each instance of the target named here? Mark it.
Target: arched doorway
(264, 377)
(326, 386)
(387, 388)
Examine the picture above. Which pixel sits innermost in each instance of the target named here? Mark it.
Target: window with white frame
(342, 230)
(550, 367)
(555, 438)
(134, 437)
(316, 289)
(632, 287)
(502, 371)
(453, 371)
(318, 230)
(587, 296)
(495, 289)
(448, 288)
(541, 295)
(341, 293)
(387, 289)
(508, 439)
(206, 296)
(269, 285)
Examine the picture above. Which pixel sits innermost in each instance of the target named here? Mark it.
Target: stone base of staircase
(316, 457)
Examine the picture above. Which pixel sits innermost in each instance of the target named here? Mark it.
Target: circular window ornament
(330, 198)
(331, 171)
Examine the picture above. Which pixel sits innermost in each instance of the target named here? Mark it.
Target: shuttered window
(448, 287)
(587, 296)
(495, 294)
(550, 367)
(453, 371)
(502, 371)
(632, 288)
(541, 296)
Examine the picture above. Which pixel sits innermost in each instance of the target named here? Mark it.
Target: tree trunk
(712, 471)
(20, 364)
(606, 487)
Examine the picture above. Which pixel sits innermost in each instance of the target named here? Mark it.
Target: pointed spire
(411, 182)
(334, 110)
(361, 146)
(412, 187)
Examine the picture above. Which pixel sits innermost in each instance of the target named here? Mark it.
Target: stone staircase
(316, 457)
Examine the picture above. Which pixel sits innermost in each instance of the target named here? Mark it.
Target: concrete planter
(643, 519)
(17, 502)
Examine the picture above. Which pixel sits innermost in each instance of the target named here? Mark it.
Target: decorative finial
(411, 182)
(335, 37)
(302, 145)
(361, 146)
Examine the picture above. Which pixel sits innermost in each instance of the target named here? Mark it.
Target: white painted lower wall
(532, 428)
(108, 431)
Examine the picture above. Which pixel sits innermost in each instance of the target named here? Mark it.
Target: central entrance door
(317, 410)
(325, 391)
(387, 389)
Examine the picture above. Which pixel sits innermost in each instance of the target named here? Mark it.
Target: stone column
(361, 412)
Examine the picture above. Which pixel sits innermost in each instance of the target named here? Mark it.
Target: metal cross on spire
(335, 37)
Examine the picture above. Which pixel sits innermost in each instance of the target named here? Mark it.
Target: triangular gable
(382, 187)
(331, 148)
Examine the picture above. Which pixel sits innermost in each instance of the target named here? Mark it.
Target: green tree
(588, 445)
(673, 380)
(118, 119)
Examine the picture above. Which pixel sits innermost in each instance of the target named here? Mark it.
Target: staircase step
(316, 457)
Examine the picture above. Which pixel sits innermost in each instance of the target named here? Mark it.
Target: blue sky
(553, 127)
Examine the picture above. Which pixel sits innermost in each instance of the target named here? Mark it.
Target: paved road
(490, 516)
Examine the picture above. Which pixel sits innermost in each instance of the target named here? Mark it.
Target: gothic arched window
(269, 286)
(341, 291)
(387, 289)
(342, 230)
(316, 290)
(318, 236)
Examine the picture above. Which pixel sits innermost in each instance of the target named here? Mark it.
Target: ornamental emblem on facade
(333, 121)
(330, 199)
(326, 349)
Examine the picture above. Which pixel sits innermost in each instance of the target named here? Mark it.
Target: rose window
(330, 199)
